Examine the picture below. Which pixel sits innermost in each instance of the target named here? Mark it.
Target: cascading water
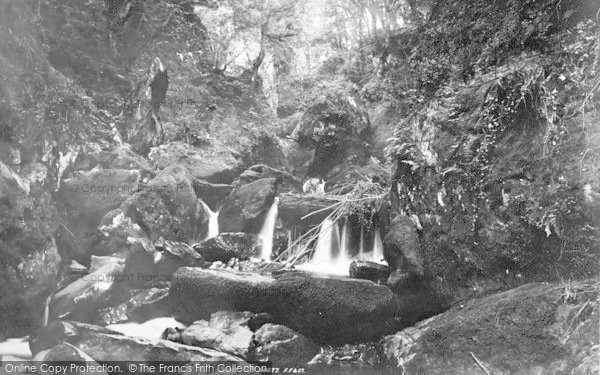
(378, 248)
(324, 248)
(266, 233)
(331, 251)
(151, 329)
(213, 221)
(361, 245)
(344, 254)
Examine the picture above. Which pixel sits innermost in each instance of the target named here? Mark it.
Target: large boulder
(229, 245)
(119, 157)
(104, 345)
(154, 263)
(534, 329)
(211, 193)
(226, 331)
(85, 198)
(285, 180)
(144, 128)
(401, 247)
(30, 259)
(214, 163)
(282, 346)
(244, 209)
(81, 299)
(363, 269)
(66, 352)
(303, 210)
(167, 207)
(322, 308)
(140, 305)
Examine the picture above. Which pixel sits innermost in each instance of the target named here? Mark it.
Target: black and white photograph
(309, 187)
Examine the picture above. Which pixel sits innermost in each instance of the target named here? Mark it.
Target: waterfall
(325, 241)
(344, 254)
(377, 247)
(213, 221)
(331, 253)
(361, 245)
(266, 233)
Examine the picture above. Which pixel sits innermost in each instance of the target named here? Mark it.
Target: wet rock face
(215, 164)
(66, 352)
(168, 207)
(82, 299)
(85, 198)
(30, 259)
(103, 345)
(226, 331)
(536, 328)
(144, 126)
(324, 309)
(229, 245)
(296, 210)
(282, 346)
(152, 264)
(245, 206)
(361, 269)
(401, 247)
(141, 305)
(285, 180)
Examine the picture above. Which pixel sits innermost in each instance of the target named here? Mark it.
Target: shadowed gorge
(334, 187)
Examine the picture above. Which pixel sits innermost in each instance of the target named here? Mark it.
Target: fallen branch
(480, 364)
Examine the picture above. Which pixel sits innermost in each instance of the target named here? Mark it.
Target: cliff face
(497, 158)
(70, 74)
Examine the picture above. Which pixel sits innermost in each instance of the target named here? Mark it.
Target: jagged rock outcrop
(144, 128)
(215, 163)
(246, 205)
(226, 332)
(285, 180)
(104, 345)
(362, 269)
(167, 207)
(154, 263)
(66, 352)
(30, 259)
(401, 247)
(282, 346)
(297, 209)
(140, 305)
(81, 299)
(322, 308)
(84, 199)
(229, 245)
(536, 328)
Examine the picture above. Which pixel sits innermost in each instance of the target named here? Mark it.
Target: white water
(16, 347)
(213, 221)
(361, 246)
(266, 233)
(331, 254)
(151, 329)
(378, 248)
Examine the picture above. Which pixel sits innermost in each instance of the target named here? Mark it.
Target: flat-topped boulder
(304, 210)
(326, 309)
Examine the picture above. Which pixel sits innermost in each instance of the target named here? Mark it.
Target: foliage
(505, 104)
